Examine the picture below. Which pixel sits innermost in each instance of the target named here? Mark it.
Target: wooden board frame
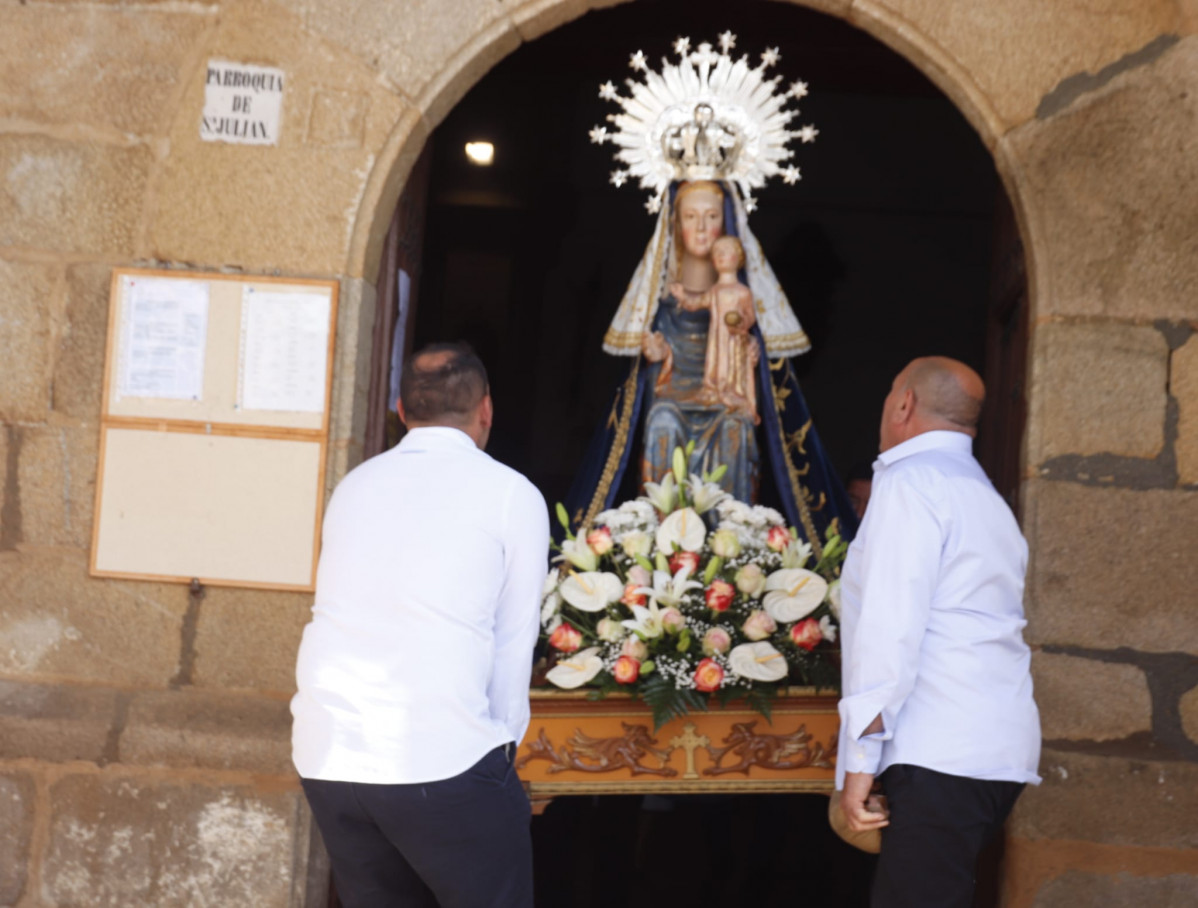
(235, 429)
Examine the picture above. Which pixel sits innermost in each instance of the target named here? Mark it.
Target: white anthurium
(793, 593)
(667, 590)
(705, 495)
(796, 554)
(758, 662)
(662, 495)
(591, 591)
(577, 670)
(684, 529)
(579, 554)
(645, 621)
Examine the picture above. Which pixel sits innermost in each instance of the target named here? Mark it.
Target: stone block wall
(1111, 501)
(144, 731)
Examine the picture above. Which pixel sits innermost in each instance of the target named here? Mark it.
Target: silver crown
(705, 117)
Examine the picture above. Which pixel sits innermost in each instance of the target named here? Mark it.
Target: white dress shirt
(418, 657)
(932, 620)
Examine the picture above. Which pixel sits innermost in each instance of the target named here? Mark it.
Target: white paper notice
(164, 334)
(284, 351)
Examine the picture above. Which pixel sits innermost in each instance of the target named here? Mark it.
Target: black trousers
(939, 824)
(462, 842)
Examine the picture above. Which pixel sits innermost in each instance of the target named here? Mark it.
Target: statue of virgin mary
(664, 323)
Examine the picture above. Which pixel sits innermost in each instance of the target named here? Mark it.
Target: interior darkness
(884, 250)
(883, 247)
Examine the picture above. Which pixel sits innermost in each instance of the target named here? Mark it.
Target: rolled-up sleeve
(517, 616)
(896, 573)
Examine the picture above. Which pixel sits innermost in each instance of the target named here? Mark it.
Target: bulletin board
(214, 429)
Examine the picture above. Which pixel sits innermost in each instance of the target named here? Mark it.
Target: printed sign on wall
(242, 103)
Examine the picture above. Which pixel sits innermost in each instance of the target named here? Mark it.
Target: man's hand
(862, 809)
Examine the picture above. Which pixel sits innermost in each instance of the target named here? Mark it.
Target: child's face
(725, 256)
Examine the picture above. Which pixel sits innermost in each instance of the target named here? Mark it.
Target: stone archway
(921, 46)
(1084, 121)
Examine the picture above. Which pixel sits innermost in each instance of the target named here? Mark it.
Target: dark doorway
(886, 249)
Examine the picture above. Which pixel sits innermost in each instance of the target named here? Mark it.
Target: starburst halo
(741, 96)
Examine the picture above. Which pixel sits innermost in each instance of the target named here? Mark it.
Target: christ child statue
(732, 352)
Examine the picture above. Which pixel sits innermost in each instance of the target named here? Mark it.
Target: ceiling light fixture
(480, 153)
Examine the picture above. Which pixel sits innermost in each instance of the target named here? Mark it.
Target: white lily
(669, 591)
(796, 554)
(579, 554)
(645, 621)
(577, 670)
(705, 495)
(550, 605)
(828, 628)
(551, 600)
(793, 593)
(683, 529)
(662, 495)
(591, 591)
(834, 599)
(758, 662)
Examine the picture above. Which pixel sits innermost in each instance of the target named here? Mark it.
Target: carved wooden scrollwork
(769, 751)
(583, 753)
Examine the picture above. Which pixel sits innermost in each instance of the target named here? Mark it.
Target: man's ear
(399, 409)
(486, 412)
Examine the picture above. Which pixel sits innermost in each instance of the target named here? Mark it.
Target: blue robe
(812, 496)
(676, 415)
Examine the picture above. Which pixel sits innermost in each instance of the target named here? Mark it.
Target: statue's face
(701, 221)
(725, 255)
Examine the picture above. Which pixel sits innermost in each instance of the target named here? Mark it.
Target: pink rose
(638, 576)
(684, 560)
(566, 638)
(759, 625)
(634, 648)
(750, 580)
(719, 595)
(708, 675)
(672, 620)
(716, 640)
(631, 596)
(778, 539)
(600, 541)
(806, 634)
(626, 670)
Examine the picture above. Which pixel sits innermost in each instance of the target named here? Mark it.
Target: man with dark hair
(936, 688)
(413, 673)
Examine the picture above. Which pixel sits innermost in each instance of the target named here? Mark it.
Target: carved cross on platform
(689, 742)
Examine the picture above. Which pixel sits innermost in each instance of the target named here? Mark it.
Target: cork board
(214, 430)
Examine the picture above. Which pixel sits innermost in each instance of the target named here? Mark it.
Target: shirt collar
(438, 437)
(937, 440)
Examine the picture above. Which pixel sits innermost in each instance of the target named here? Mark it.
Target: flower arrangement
(686, 594)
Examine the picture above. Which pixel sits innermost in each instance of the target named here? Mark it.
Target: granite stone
(1084, 699)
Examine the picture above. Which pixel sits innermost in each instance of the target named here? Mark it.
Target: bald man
(936, 692)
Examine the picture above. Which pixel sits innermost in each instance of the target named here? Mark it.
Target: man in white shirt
(413, 673)
(936, 689)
